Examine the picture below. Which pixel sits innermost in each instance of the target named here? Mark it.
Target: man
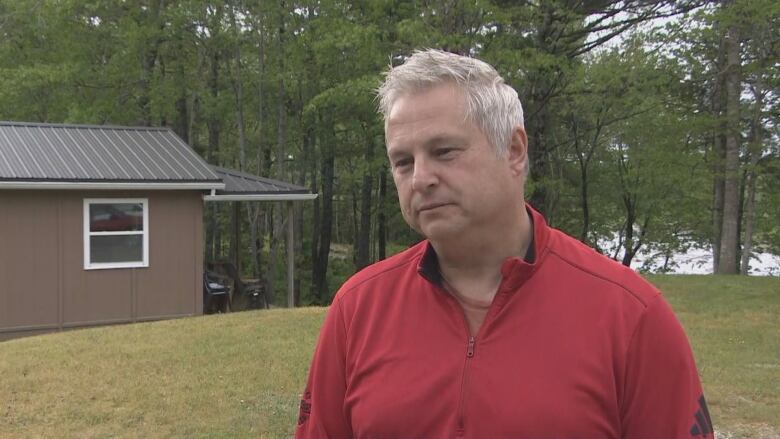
(496, 325)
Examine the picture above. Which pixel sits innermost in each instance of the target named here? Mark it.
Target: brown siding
(28, 260)
(42, 276)
(166, 287)
(22, 333)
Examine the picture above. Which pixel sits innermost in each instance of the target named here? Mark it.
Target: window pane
(116, 217)
(116, 248)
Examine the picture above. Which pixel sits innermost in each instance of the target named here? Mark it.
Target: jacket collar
(515, 271)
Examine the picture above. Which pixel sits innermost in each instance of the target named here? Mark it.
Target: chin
(441, 232)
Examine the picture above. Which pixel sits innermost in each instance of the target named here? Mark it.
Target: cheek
(402, 190)
(403, 202)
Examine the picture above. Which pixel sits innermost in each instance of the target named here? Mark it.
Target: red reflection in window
(116, 217)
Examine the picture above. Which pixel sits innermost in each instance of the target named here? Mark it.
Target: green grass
(240, 375)
(221, 376)
(734, 327)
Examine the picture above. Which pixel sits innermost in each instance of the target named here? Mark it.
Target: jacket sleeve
(321, 413)
(662, 395)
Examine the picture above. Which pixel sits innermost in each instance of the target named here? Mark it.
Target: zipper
(464, 386)
(470, 350)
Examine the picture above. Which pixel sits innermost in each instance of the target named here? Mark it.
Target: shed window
(116, 233)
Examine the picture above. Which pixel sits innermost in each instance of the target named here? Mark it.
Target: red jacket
(574, 346)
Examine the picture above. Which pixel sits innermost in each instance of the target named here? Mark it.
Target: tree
(729, 240)
(284, 89)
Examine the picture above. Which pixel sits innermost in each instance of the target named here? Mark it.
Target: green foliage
(631, 120)
(769, 208)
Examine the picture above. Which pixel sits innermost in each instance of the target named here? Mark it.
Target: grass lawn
(239, 375)
(734, 327)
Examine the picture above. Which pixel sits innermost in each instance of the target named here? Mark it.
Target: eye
(445, 152)
(401, 163)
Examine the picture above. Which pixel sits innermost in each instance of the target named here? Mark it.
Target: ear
(518, 151)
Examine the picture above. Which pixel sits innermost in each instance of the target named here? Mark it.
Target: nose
(424, 176)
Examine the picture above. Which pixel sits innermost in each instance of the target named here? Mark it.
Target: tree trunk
(539, 122)
(281, 132)
(717, 201)
(277, 231)
(539, 163)
(257, 232)
(148, 61)
(750, 217)
(213, 235)
(755, 148)
(364, 233)
(213, 123)
(253, 216)
(217, 234)
(238, 88)
(299, 207)
(729, 240)
(585, 208)
(741, 215)
(382, 216)
(274, 230)
(316, 221)
(182, 118)
(355, 217)
(235, 240)
(211, 225)
(319, 281)
(632, 250)
(718, 153)
(628, 242)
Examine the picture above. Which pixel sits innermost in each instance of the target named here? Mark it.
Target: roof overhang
(260, 197)
(90, 185)
(241, 186)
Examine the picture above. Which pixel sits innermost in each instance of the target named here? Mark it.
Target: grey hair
(491, 104)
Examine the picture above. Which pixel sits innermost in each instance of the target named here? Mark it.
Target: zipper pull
(470, 350)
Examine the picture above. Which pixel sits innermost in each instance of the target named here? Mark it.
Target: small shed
(101, 225)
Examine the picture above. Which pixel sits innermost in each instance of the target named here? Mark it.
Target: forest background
(652, 125)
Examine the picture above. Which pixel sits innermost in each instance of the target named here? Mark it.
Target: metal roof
(237, 182)
(55, 154)
(240, 186)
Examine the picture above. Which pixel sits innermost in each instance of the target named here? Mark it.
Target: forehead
(442, 95)
(437, 108)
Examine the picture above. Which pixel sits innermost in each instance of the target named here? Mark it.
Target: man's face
(450, 181)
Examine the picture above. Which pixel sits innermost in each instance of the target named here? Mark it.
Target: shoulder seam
(606, 279)
(400, 264)
(630, 344)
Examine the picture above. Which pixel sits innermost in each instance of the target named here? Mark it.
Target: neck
(472, 264)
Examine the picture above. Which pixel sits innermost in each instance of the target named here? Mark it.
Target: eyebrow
(436, 140)
(444, 138)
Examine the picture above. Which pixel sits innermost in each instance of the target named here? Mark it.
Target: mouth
(431, 206)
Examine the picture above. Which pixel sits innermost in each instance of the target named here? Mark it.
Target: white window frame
(88, 234)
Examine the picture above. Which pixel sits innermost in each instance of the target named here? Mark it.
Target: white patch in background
(699, 261)
(694, 260)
